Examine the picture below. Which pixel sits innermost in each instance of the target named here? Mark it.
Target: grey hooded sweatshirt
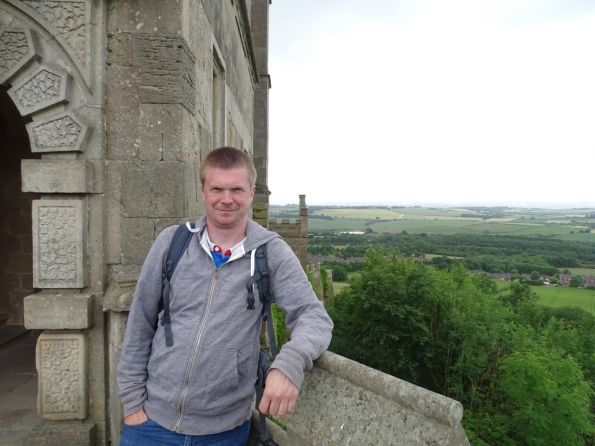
(204, 383)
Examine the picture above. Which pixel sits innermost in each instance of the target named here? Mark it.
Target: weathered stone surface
(58, 311)
(122, 113)
(151, 132)
(137, 238)
(59, 241)
(153, 189)
(41, 89)
(343, 402)
(71, 434)
(61, 359)
(159, 16)
(119, 49)
(17, 49)
(168, 72)
(61, 176)
(64, 132)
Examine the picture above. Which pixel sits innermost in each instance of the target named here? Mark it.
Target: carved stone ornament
(64, 132)
(17, 49)
(68, 19)
(41, 89)
(62, 367)
(58, 244)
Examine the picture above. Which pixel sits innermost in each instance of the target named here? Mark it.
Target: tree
(545, 399)
(535, 275)
(339, 273)
(575, 281)
(381, 319)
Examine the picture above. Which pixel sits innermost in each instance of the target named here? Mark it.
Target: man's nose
(226, 196)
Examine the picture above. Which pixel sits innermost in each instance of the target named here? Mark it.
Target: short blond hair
(228, 158)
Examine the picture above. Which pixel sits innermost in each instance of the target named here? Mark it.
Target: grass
(338, 286)
(566, 296)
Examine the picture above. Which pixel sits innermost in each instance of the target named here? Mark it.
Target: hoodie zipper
(195, 351)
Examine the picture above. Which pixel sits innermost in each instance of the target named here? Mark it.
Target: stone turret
(295, 233)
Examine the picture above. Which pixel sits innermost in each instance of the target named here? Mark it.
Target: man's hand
(280, 394)
(137, 417)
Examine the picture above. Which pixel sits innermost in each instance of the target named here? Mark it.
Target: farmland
(563, 224)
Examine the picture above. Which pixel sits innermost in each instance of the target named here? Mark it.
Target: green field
(565, 296)
(581, 271)
(415, 220)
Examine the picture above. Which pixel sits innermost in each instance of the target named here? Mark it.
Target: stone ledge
(58, 312)
(61, 176)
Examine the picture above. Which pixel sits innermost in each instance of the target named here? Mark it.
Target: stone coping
(437, 407)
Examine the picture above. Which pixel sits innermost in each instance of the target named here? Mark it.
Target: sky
(432, 102)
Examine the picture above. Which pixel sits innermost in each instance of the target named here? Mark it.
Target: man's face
(227, 196)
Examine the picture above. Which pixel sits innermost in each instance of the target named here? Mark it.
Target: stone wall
(180, 80)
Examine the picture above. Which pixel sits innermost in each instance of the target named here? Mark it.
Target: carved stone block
(58, 312)
(59, 228)
(61, 359)
(168, 74)
(17, 49)
(41, 89)
(64, 132)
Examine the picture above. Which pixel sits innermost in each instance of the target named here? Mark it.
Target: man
(200, 390)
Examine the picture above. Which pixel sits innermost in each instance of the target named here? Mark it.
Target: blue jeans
(150, 433)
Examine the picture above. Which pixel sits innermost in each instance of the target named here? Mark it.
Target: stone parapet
(343, 402)
(58, 311)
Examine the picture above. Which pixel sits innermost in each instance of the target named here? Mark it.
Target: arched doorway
(16, 264)
(18, 376)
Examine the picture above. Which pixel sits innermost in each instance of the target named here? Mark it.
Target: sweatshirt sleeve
(140, 327)
(310, 325)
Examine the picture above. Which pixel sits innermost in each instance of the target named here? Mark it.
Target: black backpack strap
(177, 248)
(262, 277)
(266, 297)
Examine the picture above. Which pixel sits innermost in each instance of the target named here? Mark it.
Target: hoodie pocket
(214, 382)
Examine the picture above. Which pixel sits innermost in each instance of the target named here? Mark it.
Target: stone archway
(48, 55)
